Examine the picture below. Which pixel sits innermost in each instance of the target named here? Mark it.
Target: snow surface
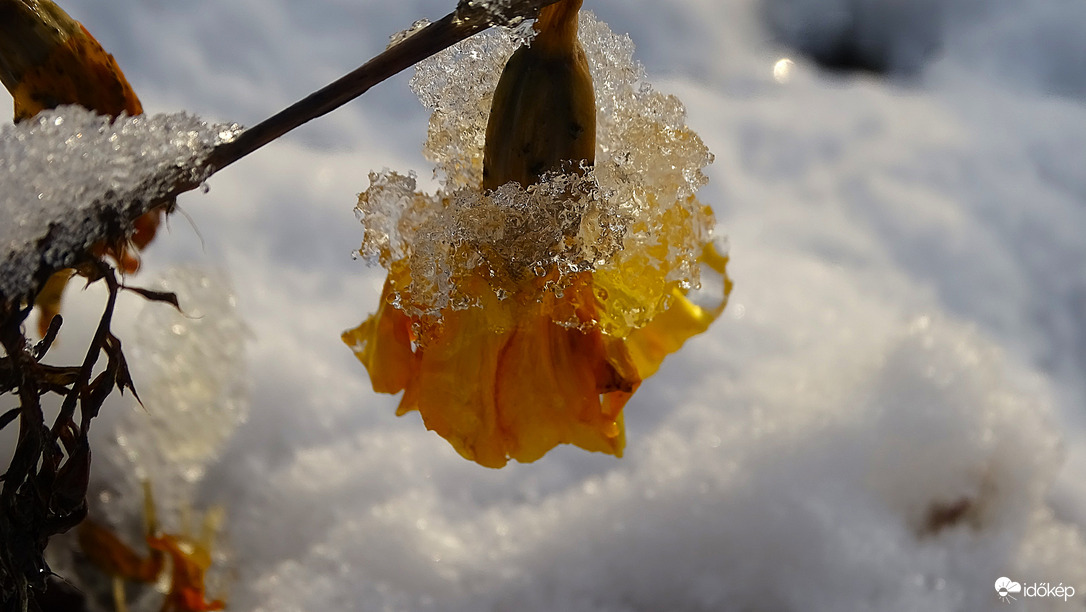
(889, 415)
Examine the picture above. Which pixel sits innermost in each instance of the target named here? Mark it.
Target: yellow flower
(523, 317)
(512, 378)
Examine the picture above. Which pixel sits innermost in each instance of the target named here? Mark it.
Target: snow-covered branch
(72, 179)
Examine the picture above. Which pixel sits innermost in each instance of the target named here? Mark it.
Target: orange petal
(682, 320)
(50, 59)
(549, 384)
(190, 561)
(383, 344)
(48, 300)
(496, 391)
(106, 551)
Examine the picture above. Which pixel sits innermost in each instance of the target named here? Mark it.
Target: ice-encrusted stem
(469, 18)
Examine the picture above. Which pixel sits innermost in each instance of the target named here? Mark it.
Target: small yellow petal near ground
(189, 556)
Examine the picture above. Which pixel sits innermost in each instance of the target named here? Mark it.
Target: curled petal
(682, 320)
(383, 344)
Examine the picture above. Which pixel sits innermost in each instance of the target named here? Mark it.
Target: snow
(183, 421)
(69, 169)
(888, 415)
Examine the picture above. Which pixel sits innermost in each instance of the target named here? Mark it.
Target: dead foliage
(44, 489)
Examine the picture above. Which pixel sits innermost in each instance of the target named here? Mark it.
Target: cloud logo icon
(1005, 587)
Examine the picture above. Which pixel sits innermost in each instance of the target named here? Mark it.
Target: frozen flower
(528, 300)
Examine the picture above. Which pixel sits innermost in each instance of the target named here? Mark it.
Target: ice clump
(497, 11)
(634, 210)
(415, 28)
(70, 174)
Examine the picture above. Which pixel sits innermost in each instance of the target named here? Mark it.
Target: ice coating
(415, 28)
(635, 209)
(68, 171)
(497, 12)
(509, 234)
(457, 85)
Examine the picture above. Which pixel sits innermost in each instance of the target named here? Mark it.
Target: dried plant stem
(468, 19)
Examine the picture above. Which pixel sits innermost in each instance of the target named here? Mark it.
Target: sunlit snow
(68, 171)
(888, 417)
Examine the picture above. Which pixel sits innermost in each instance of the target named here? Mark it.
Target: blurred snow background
(890, 414)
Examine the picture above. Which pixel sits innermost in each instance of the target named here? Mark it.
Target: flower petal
(383, 344)
(682, 320)
(504, 380)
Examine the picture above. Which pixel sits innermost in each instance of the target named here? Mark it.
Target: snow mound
(191, 373)
(855, 458)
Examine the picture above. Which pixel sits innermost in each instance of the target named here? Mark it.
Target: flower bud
(543, 116)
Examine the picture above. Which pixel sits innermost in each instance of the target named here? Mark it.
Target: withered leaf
(8, 417)
(42, 347)
(123, 375)
(157, 296)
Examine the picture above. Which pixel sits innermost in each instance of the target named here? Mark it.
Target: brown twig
(468, 19)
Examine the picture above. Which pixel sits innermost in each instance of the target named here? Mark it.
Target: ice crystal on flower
(634, 210)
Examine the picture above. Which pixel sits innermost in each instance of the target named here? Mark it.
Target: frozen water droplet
(399, 37)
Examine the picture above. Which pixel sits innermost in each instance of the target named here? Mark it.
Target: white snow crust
(67, 170)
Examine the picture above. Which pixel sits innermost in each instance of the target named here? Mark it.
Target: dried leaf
(42, 347)
(157, 296)
(8, 417)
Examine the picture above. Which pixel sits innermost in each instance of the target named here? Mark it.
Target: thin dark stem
(65, 418)
(469, 19)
